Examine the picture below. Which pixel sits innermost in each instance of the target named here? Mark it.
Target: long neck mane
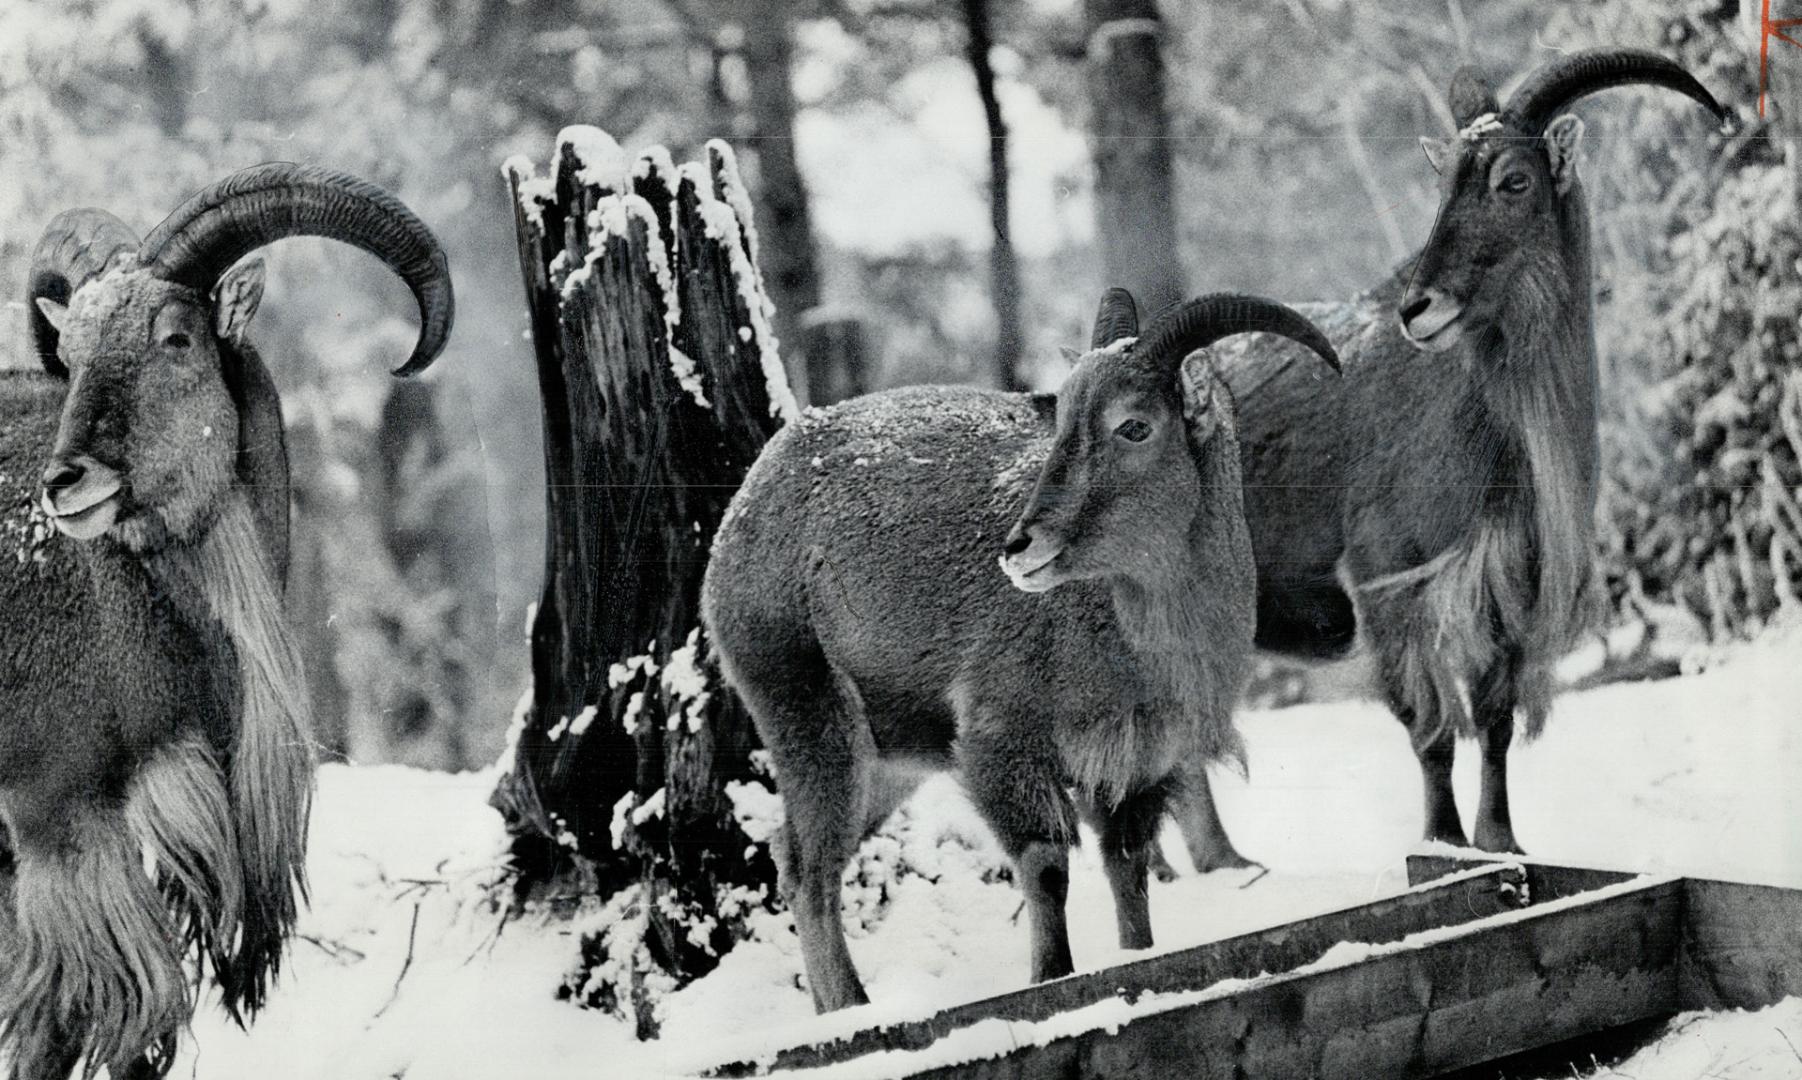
(270, 751)
(1537, 378)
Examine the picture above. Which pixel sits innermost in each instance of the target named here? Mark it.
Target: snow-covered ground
(405, 968)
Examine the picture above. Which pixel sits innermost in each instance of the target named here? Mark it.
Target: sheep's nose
(63, 475)
(1017, 539)
(1415, 308)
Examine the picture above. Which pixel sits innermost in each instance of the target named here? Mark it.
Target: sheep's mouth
(1439, 337)
(91, 518)
(1037, 577)
(1444, 337)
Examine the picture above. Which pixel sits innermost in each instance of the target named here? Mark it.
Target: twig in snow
(488, 943)
(412, 932)
(1792, 1046)
(1255, 878)
(337, 950)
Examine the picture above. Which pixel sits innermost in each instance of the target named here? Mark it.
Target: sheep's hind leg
(823, 822)
(1210, 848)
(824, 758)
(1024, 802)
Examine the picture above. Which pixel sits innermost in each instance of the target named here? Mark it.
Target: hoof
(1454, 836)
(1499, 839)
(845, 998)
(1226, 860)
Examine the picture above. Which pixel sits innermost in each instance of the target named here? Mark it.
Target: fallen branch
(406, 965)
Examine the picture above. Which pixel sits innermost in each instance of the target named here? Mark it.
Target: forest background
(866, 129)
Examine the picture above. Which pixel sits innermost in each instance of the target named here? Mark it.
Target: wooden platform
(1483, 958)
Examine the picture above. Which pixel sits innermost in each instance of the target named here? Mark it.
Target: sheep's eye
(1133, 429)
(177, 340)
(1513, 183)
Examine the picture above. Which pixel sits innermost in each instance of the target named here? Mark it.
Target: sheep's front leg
(1043, 868)
(1021, 795)
(1128, 832)
(1494, 697)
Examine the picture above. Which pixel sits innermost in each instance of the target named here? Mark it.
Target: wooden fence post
(660, 383)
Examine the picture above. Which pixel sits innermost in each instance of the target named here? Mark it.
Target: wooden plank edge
(1604, 962)
(1741, 947)
(1456, 896)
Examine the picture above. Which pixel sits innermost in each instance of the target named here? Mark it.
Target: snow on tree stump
(660, 383)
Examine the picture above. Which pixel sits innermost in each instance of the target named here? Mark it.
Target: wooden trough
(1481, 960)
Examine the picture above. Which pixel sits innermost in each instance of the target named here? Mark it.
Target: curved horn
(1118, 318)
(256, 206)
(75, 248)
(1555, 85)
(1180, 330)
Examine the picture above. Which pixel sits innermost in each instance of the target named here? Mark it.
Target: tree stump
(660, 383)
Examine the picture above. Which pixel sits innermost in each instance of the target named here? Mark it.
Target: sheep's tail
(271, 760)
(100, 919)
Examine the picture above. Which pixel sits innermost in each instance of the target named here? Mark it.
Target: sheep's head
(1123, 483)
(1503, 180)
(156, 424)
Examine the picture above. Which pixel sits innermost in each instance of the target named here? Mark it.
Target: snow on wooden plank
(1742, 945)
(1545, 881)
(1484, 890)
(1440, 1000)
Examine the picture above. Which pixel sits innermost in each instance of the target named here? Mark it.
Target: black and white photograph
(861, 539)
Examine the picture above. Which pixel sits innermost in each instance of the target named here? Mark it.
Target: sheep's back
(873, 529)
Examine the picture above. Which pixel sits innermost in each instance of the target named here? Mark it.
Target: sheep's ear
(236, 299)
(1563, 138)
(1197, 378)
(1438, 152)
(57, 315)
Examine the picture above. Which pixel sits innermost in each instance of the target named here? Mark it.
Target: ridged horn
(75, 248)
(259, 205)
(1118, 318)
(1180, 330)
(1552, 87)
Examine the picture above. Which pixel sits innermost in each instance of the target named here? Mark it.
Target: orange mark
(1769, 28)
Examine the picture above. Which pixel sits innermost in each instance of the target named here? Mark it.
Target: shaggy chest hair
(1112, 756)
(1190, 648)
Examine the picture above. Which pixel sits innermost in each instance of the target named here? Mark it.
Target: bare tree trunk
(1004, 268)
(1130, 131)
(838, 357)
(789, 257)
(623, 755)
(166, 78)
(429, 510)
